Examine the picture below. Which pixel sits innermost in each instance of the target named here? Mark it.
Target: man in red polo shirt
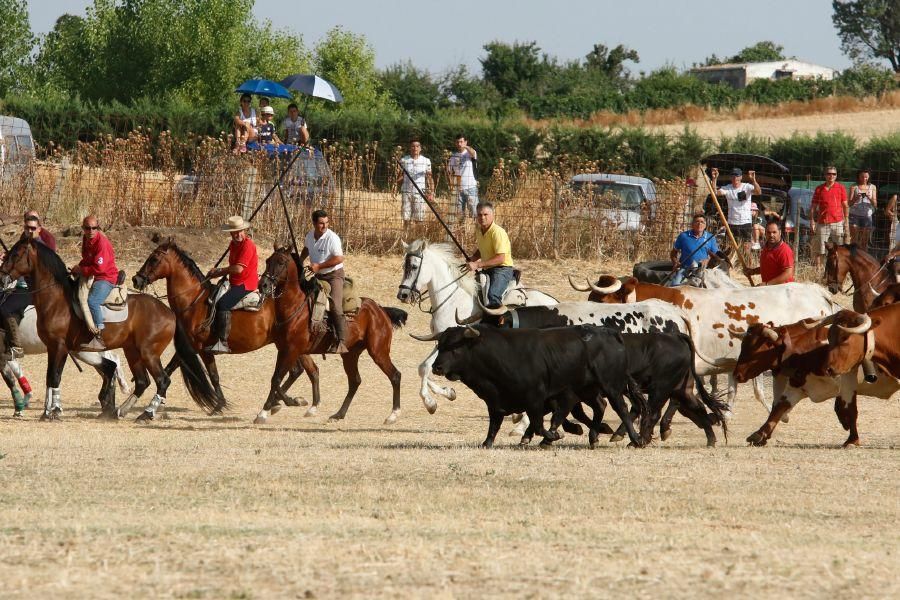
(242, 276)
(98, 260)
(828, 214)
(776, 260)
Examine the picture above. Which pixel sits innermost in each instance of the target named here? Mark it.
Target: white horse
(433, 272)
(103, 362)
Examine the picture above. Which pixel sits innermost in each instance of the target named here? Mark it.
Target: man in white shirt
(326, 261)
(294, 125)
(740, 200)
(462, 174)
(419, 168)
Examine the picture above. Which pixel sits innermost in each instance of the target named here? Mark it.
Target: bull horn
(812, 323)
(770, 333)
(496, 312)
(468, 321)
(426, 338)
(865, 323)
(615, 287)
(737, 334)
(471, 332)
(577, 287)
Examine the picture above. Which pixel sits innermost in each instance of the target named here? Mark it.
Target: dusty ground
(198, 507)
(861, 125)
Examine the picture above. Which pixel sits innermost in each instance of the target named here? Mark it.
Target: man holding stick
(692, 248)
(740, 199)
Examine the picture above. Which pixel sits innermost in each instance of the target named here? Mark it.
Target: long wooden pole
(734, 244)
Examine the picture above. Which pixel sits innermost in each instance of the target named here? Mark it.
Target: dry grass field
(193, 506)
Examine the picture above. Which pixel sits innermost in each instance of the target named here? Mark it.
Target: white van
(16, 143)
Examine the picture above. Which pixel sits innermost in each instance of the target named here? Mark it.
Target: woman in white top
(863, 201)
(244, 125)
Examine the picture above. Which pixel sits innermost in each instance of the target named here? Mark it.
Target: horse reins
(421, 297)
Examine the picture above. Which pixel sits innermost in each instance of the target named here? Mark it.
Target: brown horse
(870, 279)
(143, 336)
(188, 293)
(370, 329)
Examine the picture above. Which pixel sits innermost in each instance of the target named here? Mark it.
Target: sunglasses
(29, 228)
(89, 228)
(835, 174)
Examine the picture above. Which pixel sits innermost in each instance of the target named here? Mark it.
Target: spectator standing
(828, 213)
(740, 200)
(461, 167)
(863, 202)
(776, 261)
(412, 206)
(294, 125)
(891, 212)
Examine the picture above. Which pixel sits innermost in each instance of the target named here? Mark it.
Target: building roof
(775, 64)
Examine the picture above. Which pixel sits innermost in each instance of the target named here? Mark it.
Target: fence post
(555, 218)
(64, 166)
(341, 201)
(250, 194)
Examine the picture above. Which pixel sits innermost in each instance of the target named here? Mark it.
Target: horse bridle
(418, 297)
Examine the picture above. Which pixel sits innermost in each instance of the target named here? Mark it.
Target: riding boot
(96, 344)
(340, 332)
(12, 338)
(223, 328)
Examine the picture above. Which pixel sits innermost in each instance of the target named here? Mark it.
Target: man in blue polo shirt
(692, 248)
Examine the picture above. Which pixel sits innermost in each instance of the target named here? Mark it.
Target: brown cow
(854, 337)
(793, 353)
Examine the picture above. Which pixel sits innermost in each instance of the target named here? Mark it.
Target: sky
(440, 35)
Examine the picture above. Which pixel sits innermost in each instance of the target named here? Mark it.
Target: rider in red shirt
(242, 276)
(776, 261)
(98, 260)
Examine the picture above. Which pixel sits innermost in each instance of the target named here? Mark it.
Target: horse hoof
(291, 401)
(757, 439)
(19, 414)
(431, 407)
(664, 434)
(616, 437)
(260, 420)
(144, 416)
(785, 418)
(335, 417)
(392, 418)
(545, 445)
(108, 416)
(851, 444)
(710, 443)
(452, 395)
(311, 411)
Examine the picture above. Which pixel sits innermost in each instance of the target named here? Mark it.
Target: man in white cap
(740, 198)
(242, 275)
(326, 261)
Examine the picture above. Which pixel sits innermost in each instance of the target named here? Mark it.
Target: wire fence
(557, 210)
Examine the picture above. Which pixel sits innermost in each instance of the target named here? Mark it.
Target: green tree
(511, 68)
(15, 49)
(611, 62)
(59, 65)
(764, 51)
(413, 89)
(869, 30)
(348, 61)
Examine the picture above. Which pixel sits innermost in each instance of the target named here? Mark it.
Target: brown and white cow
(853, 337)
(794, 353)
(713, 312)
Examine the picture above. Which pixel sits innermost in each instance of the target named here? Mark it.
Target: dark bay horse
(870, 278)
(188, 291)
(143, 336)
(371, 329)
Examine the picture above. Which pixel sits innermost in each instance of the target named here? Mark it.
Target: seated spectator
(244, 125)
(266, 128)
(294, 125)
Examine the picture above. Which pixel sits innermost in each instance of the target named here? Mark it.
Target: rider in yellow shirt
(494, 254)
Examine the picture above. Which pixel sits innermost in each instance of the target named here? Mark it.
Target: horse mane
(448, 255)
(51, 261)
(185, 259)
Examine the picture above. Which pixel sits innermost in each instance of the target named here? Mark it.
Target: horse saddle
(322, 300)
(252, 302)
(114, 308)
(514, 295)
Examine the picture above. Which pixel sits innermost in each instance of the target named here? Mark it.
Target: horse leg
(15, 371)
(308, 365)
(286, 359)
(427, 384)
(382, 357)
(173, 365)
(351, 368)
(209, 361)
(141, 380)
(56, 361)
(18, 398)
(162, 381)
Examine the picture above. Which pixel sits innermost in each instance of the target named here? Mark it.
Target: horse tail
(714, 404)
(194, 374)
(396, 315)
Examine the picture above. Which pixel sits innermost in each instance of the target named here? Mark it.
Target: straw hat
(235, 223)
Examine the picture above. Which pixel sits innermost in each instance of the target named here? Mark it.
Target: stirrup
(95, 345)
(219, 347)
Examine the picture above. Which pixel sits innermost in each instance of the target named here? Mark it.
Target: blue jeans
(499, 278)
(467, 197)
(234, 295)
(679, 275)
(99, 291)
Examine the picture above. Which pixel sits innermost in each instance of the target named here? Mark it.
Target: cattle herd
(647, 345)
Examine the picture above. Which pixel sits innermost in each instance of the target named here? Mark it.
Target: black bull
(537, 371)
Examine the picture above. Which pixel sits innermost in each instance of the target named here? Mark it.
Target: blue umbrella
(313, 85)
(264, 87)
